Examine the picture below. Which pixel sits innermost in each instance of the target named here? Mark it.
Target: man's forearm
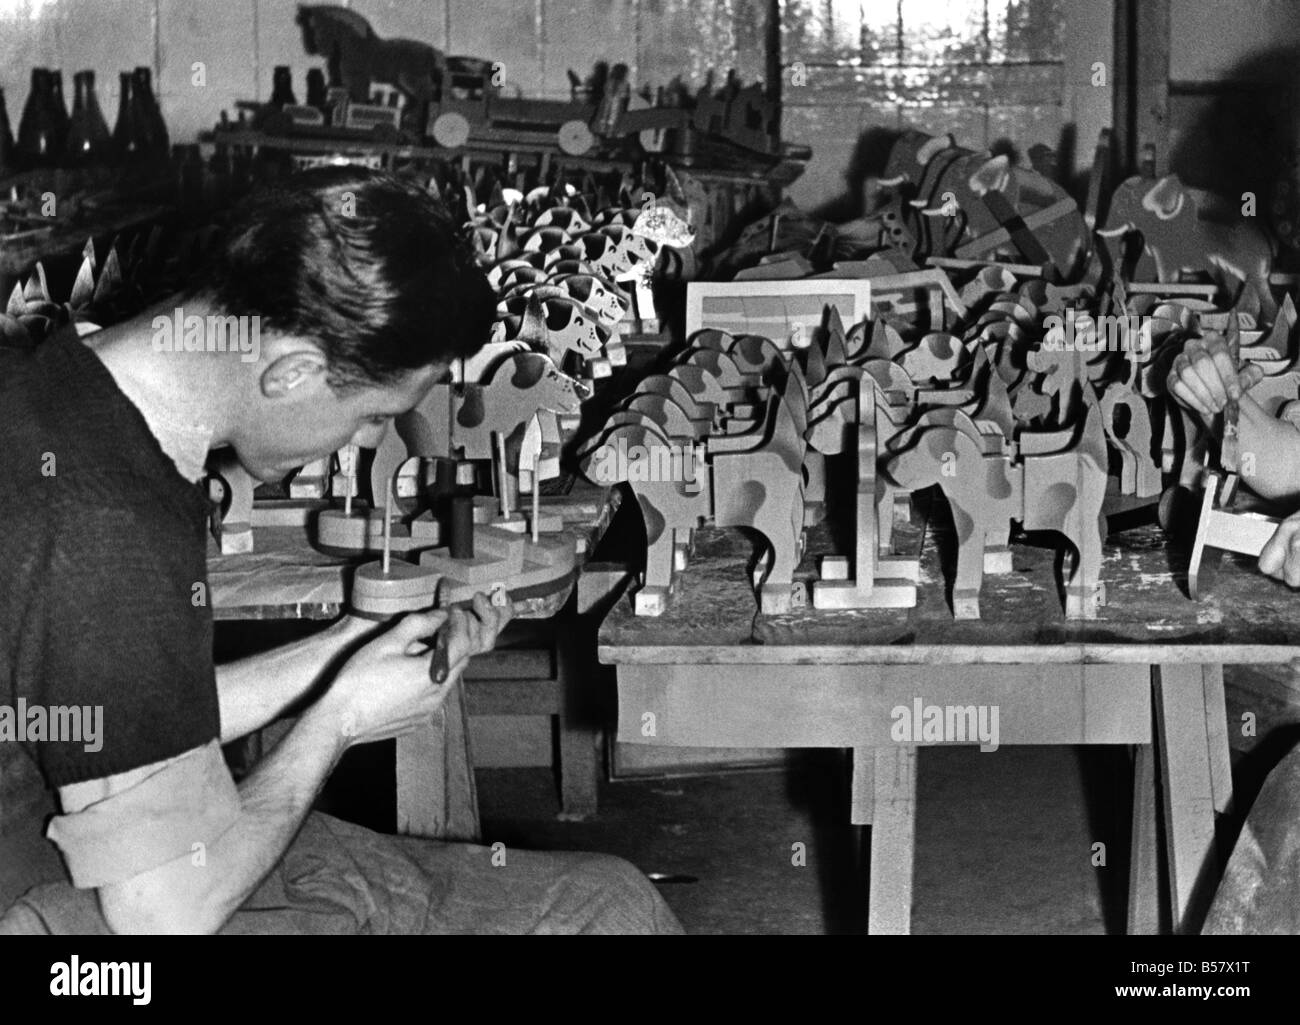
(256, 690)
(184, 897)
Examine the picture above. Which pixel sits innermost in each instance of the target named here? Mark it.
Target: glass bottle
(59, 107)
(128, 139)
(282, 87)
(37, 129)
(8, 156)
(89, 141)
(151, 111)
(317, 95)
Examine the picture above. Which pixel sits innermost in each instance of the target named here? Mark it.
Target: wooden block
(515, 523)
(307, 487)
(236, 538)
(281, 513)
(404, 588)
(1244, 532)
(901, 568)
(833, 567)
(335, 530)
(1172, 288)
(554, 552)
(773, 308)
(425, 528)
(501, 542)
(547, 522)
(486, 509)
(776, 599)
(569, 508)
(846, 594)
(650, 601)
(997, 559)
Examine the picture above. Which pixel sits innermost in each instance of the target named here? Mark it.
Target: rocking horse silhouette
(357, 57)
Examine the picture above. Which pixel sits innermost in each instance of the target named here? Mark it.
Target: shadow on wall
(1240, 135)
(862, 194)
(1234, 134)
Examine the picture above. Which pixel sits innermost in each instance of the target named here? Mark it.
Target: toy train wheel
(575, 138)
(451, 130)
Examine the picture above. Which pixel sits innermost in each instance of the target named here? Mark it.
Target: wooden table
(711, 672)
(285, 578)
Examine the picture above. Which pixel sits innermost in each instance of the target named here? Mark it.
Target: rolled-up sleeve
(179, 809)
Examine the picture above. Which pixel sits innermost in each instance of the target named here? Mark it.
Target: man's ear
(300, 372)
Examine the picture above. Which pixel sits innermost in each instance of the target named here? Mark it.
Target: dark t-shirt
(103, 586)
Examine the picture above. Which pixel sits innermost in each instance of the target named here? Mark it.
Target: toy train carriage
(472, 112)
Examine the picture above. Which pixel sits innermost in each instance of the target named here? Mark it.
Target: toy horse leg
(652, 598)
(1084, 591)
(970, 573)
(776, 592)
(814, 496)
(683, 543)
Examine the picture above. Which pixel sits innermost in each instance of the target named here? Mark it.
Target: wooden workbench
(285, 578)
(711, 672)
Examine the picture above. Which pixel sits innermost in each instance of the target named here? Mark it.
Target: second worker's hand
(1204, 379)
(1280, 557)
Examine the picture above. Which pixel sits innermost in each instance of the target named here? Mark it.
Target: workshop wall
(984, 69)
(1232, 106)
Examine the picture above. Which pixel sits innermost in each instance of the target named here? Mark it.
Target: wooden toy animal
(1046, 488)
(762, 487)
(670, 509)
(357, 56)
(467, 417)
(866, 580)
(1175, 236)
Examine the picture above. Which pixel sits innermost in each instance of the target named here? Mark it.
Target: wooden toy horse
(761, 486)
(357, 57)
(466, 417)
(671, 509)
(1060, 490)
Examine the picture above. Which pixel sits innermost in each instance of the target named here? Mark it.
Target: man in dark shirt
(363, 295)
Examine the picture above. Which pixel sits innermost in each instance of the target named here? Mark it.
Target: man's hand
(385, 689)
(1281, 555)
(474, 631)
(1204, 380)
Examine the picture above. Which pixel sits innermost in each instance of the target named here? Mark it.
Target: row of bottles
(49, 137)
(282, 88)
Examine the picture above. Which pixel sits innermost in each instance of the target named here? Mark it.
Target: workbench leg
(1185, 740)
(436, 794)
(862, 790)
(580, 762)
(579, 755)
(893, 840)
(1144, 856)
(1216, 728)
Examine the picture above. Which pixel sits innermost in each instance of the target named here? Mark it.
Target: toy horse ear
(1165, 198)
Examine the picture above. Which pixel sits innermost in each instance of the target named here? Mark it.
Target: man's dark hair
(370, 268)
